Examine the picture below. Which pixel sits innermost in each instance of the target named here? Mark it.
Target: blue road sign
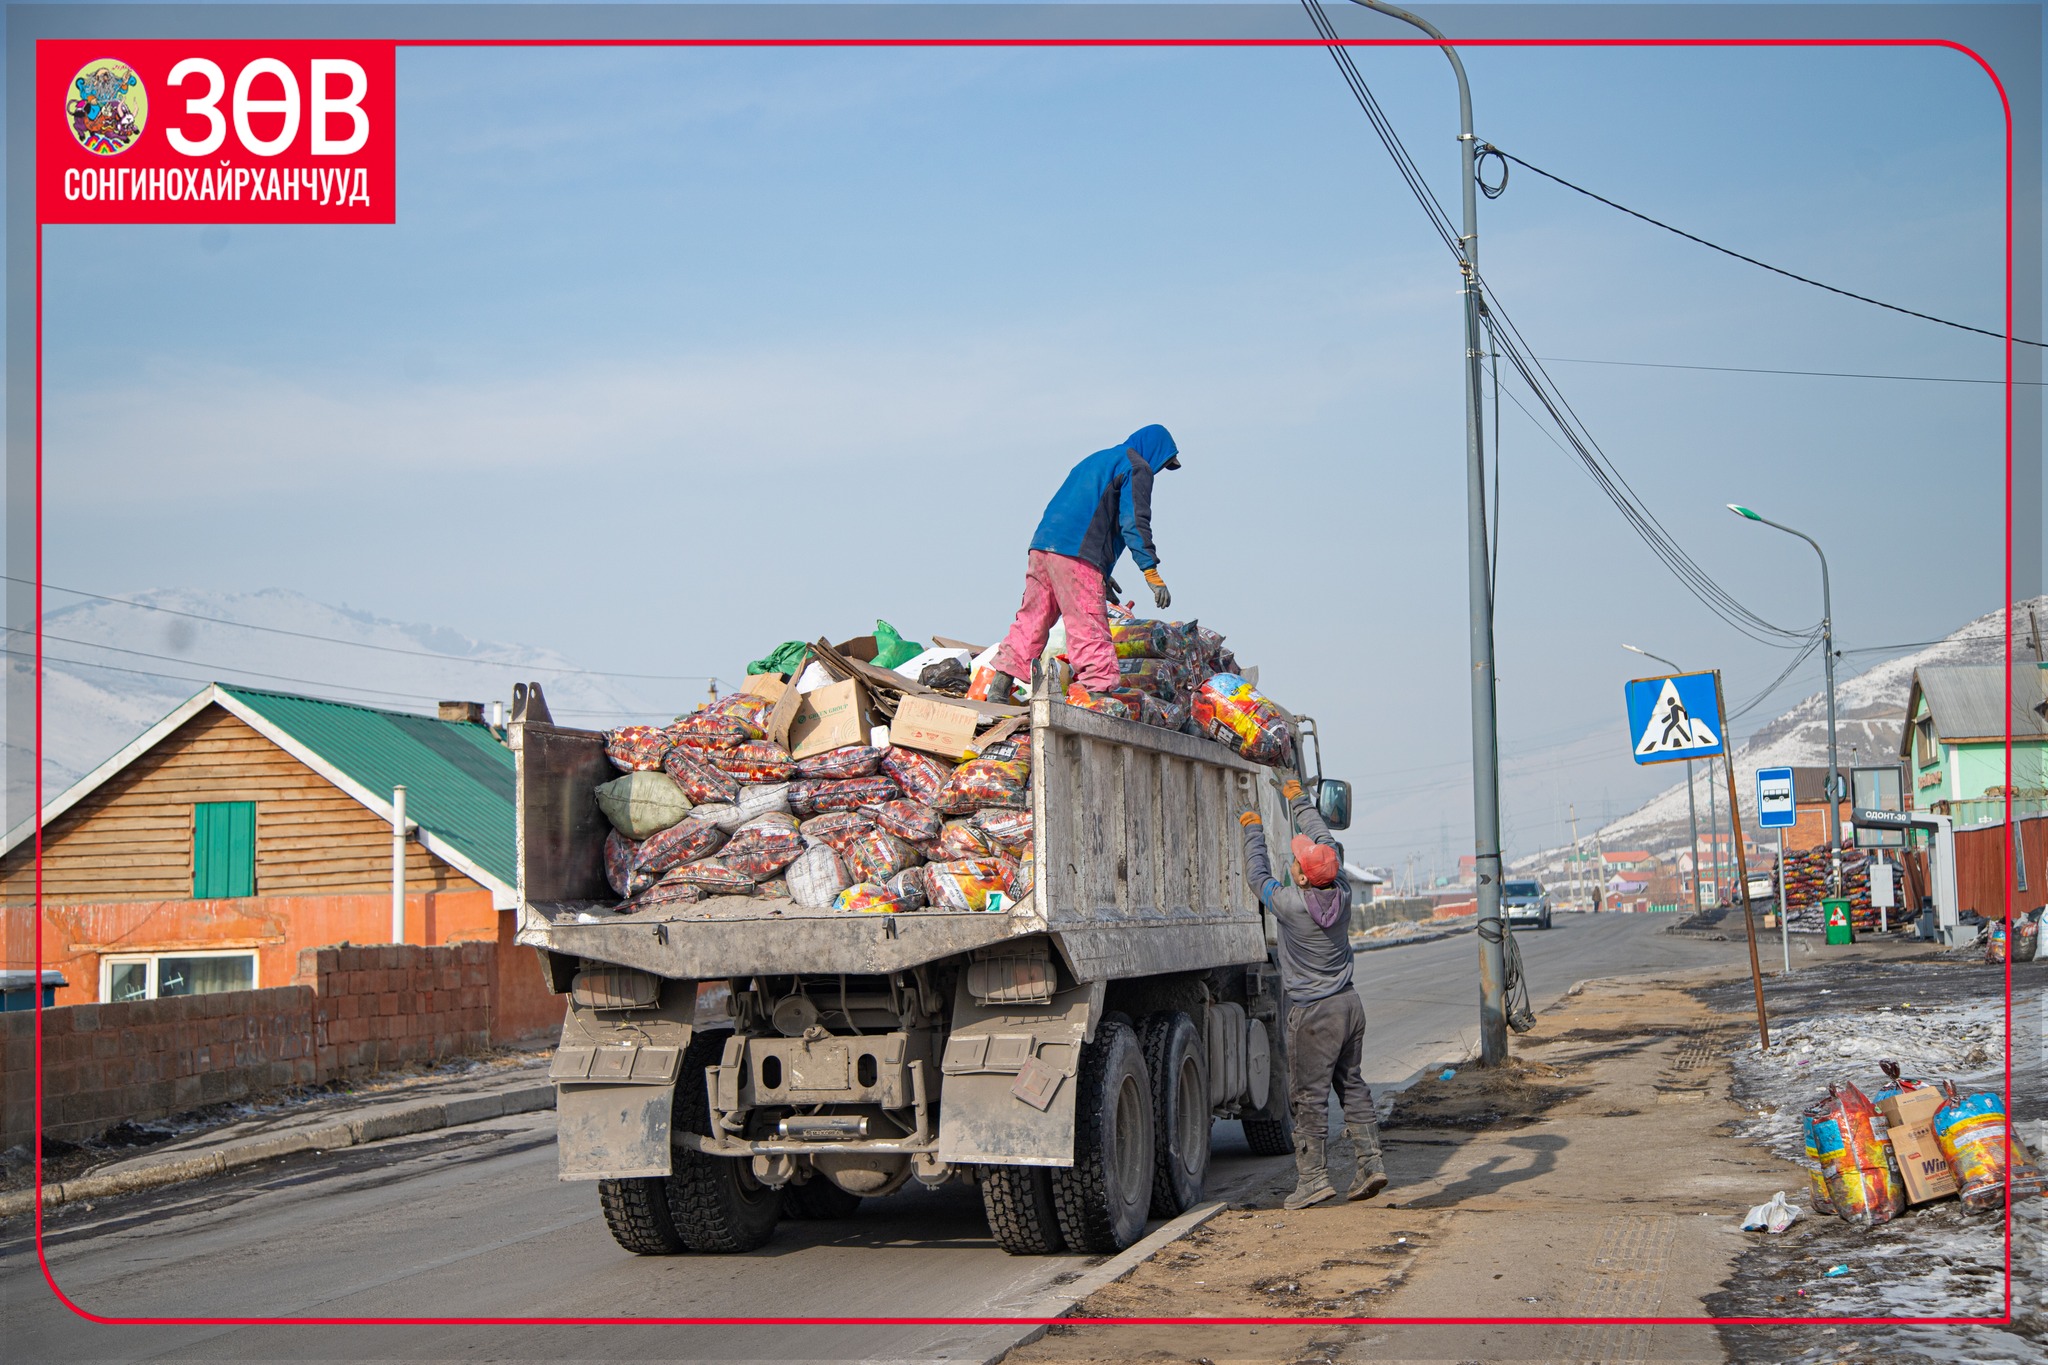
(1675, 717)
(1775, 806)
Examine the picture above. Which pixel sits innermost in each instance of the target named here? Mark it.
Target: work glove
(1110, 591)
(1161, 598)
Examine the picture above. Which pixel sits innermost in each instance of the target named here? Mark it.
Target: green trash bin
(1835, 914)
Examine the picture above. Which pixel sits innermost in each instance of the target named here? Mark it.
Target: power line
(1764, 265)
(362, 644)
(1689, 572)
(1811, 374)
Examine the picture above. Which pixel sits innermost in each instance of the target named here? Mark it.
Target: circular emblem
(107, 107)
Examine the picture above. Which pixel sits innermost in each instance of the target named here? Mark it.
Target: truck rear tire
(636, 1211)
(1270, 1131)
(1021, 1213)
(1104, 1196)
(716, 1203)
(1179, 1062)
(818, 1200)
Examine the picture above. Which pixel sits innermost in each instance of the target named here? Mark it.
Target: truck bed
(1139, 857)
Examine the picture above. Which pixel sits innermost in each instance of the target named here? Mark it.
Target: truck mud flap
(1008, 1092)
(612, 1110)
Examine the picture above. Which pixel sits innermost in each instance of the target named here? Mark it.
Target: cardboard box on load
(829, 718)
(1909, 1121)
(935, 727)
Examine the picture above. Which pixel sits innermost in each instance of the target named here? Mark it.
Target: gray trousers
(1324, 1042)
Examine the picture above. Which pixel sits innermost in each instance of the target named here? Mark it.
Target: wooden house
(247, 825)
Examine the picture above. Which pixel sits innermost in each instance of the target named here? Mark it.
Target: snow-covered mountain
(1870, 711)
(113, 669)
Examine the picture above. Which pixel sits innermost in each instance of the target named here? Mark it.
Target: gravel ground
(1940, 1018)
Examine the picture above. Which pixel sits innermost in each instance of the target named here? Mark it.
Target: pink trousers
(1060, 587)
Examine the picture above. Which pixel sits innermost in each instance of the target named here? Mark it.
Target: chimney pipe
(398, 864)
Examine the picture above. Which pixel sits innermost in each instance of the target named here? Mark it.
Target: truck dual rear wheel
(1021, 1213)
(636, 1211)
(1104, 1196)
(706, 1203)
(1178, 1061)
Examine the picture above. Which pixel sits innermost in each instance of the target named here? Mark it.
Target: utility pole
(1493, 972)
(1827, 645)
(1578, 864)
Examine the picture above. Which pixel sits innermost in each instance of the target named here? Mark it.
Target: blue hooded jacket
(1105, 506)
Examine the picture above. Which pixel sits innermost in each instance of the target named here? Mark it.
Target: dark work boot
(1312, 1175)
(1368, 1167)
(1001, 686)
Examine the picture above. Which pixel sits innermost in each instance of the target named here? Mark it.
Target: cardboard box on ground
(1909, 1123)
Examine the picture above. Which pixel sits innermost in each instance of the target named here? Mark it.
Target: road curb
(1413, 939)
(400, 1121)
(1061, 1300)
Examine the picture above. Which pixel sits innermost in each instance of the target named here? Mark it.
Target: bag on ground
(1971, 1132)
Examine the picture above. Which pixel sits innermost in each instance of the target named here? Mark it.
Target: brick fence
(353, 1010)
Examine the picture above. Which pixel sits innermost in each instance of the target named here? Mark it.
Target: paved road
(472, 1222)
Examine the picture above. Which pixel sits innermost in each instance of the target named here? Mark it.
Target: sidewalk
(1594, 1177)
(233, 1136)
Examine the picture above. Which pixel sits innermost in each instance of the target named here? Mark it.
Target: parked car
(1524, 903)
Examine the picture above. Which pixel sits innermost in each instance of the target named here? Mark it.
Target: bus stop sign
(1775, 807)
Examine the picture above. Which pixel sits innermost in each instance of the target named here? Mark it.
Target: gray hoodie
(1314, 922)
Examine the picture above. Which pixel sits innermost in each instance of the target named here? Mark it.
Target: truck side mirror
(1333, 802)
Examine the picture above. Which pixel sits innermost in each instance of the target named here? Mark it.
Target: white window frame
(153, 962)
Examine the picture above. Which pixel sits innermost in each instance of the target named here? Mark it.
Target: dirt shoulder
(1595, 1177)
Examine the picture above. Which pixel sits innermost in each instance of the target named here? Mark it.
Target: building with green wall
(1953, 745)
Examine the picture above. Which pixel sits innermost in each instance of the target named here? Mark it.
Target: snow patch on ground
(1936, 1260)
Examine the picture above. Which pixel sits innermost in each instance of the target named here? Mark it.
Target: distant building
(1365, 882)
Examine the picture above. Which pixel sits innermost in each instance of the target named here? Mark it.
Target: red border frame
(2005, 1319)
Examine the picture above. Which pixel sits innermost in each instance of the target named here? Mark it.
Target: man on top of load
(1325, 1017)
(1104, 508)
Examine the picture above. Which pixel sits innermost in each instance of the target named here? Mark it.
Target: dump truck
(732, 1061)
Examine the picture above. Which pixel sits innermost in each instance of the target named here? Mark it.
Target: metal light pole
(1692, 810)
(1827, 644)
(1493, 976)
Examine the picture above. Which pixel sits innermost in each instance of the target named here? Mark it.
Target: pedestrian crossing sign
(1675, 717)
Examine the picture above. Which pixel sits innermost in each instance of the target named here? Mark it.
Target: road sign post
(1777, 807)
(1682, 716)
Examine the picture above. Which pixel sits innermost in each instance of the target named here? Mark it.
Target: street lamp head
(1633, 650)
(1739, 510)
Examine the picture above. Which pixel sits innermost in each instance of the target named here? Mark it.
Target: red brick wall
(395, 1003)
(149, 1058)
(353, 1010)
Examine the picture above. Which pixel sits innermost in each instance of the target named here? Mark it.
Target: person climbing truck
(1325, 1017)
(1103, 509)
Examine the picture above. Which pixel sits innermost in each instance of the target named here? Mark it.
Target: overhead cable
(363, 644)
(1763, 265)
(1689, 572)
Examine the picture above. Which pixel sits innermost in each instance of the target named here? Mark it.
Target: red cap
(1318, 862)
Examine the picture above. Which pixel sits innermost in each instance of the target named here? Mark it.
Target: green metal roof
(458, 777)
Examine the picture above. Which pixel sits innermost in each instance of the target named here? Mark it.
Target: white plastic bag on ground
(1775, 1216)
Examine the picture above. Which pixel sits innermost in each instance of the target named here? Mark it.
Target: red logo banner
(206, 131)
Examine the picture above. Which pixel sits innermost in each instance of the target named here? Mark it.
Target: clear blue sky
(673, 355)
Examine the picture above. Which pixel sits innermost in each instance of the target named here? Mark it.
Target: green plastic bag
(891, 648)
(784, 658)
